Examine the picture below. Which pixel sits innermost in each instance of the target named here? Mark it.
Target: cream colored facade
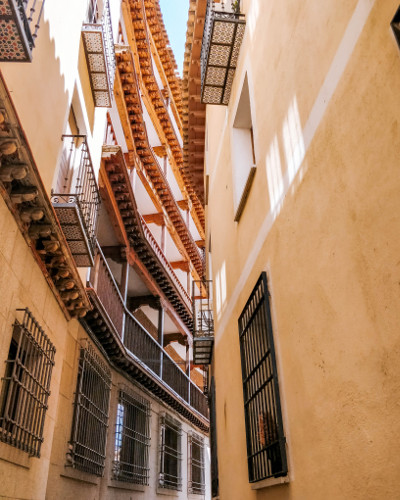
(322, 220)
(43, 93)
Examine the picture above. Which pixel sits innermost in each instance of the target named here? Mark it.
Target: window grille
(196, 464)
(213, 441)
(266, 453)
(170, 453)
(26, 385)
(132, 439)
(89, 427)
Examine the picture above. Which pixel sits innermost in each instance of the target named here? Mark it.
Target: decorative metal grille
(132, 439)
(213, 442)
(77, 202)
(19, 26)
(266, 453)
(224, 28)
(26, 385)
(196, 482)
(170, 453)
(89, 428)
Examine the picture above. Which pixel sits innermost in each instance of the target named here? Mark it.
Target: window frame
(194, 464)
(91, 407)
(265, 438)
(166, 479)
(132, 437)
(25, 389)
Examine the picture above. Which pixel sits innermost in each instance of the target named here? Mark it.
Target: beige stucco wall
(328, 72)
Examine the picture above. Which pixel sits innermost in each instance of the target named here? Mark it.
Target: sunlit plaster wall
(322, 219)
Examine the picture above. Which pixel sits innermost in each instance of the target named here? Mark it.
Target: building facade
(101, 246)
(294, 107)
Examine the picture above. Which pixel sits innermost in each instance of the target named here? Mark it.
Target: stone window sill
(13, 455)
(272, 481)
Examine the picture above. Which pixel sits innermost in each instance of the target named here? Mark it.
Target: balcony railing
(19, 26)
(136, 339)
(103, 283)
(98, 42)
(222, 37)
(77, 199)
(167, 266)
(203, 322)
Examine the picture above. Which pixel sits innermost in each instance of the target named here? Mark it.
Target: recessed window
(26, 385)
(170, 453)
(132, 439)
(266, 444)
(196, 483)
(395, 24)
(243, 152)
(89, 428)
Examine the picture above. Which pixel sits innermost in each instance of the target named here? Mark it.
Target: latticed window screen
(196, 482)
(89, 427)
(170, 453)
(266, 453)
(26, 385)
(132, 439)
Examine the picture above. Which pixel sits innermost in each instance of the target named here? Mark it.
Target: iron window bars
(395, 25)
(224, 28)
(132, 439)
(266, 453)
(19, 26)
(196, 483)
(26, 385)
(87, 447)
(170, 453)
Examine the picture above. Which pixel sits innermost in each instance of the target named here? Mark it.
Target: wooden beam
(183, 204)
(157, 218)
(183, 265)
(200, 243)
(144, 300)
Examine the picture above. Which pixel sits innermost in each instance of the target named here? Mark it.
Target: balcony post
(161, 335)
(124, 292)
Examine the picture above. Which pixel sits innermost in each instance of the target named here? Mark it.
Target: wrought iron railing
(138, 340)
(100, 52)
(202, 300)
(77, 187)
(167, 266)
(20, 21)
(103, 282)
(222, 36)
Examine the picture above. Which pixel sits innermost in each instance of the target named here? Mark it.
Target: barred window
(87, 450)
(196, 464)
(132, 439)
(26, 385)
(266, 453)
(170, 453)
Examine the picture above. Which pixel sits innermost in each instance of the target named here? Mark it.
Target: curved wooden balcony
(140, 237)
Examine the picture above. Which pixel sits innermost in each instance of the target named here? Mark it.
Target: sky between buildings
(175, 13)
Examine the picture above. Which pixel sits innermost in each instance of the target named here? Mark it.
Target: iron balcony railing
(203, 322)
(76, 199)
(19, 26)
(222, 37)
(98, 42)
(167, 266)
(138, 341)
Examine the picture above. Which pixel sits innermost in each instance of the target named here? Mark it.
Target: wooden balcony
(133, 350)
(19, 25)
(140, 237)
(98, 43)
(76, 199)
(223, 34)
(203, 322)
